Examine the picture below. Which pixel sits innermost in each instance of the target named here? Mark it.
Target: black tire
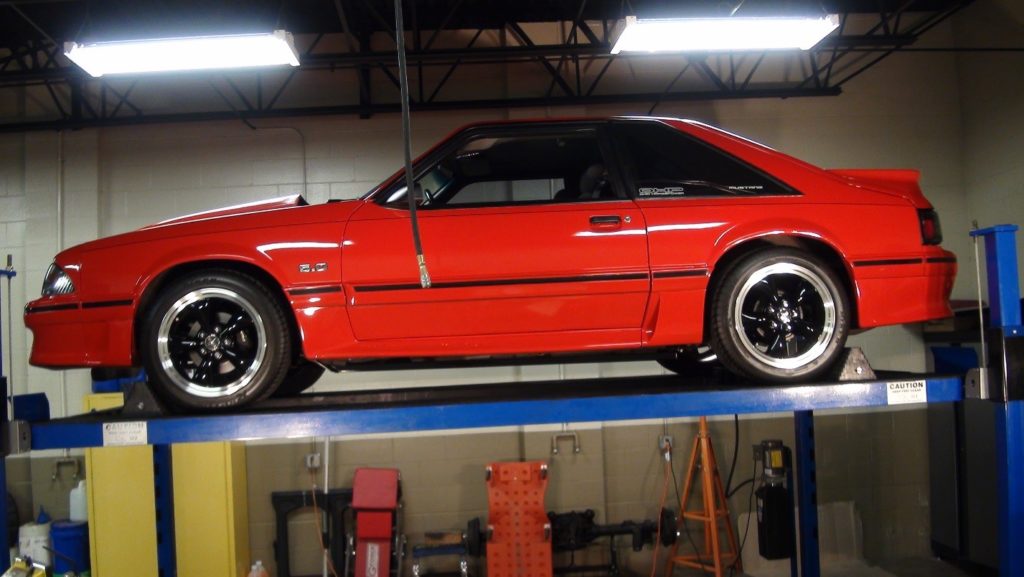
(215, 340)
(692, 361)
(299, 378)
(779, 315)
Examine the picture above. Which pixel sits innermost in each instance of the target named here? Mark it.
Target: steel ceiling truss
(576, 66)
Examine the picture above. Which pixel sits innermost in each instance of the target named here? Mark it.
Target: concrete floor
(901, 568)
(930, 568)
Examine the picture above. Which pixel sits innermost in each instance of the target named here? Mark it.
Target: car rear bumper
(906, 289)
(67, 334)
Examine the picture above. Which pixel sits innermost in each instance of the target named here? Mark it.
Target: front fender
(135, 271)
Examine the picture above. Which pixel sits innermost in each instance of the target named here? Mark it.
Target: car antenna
(410, 184)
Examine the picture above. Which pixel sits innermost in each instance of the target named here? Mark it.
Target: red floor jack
(378, 550)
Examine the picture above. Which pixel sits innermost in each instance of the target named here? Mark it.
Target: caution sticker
(127, 433)
(906, 392)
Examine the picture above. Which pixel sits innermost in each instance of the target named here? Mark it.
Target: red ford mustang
(574, 236)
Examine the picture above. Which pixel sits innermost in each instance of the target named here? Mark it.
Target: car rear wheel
(779, 315)
(215, 340)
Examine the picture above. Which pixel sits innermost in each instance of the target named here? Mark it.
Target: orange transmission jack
(375, 494)
(519, 533)
(713, 514)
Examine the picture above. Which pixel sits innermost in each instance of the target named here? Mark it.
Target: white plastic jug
(258, 570)
(79, 510)
(34, 541)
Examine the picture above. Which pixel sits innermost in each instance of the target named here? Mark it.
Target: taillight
(931, 231)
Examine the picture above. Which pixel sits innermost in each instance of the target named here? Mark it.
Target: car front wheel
(779, 315)
(215, 340)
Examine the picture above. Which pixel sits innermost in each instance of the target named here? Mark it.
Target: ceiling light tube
(179, 54)
(723, 34)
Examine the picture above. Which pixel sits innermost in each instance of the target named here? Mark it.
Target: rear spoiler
(903, 182)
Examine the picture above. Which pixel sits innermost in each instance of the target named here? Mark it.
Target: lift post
(7, 273)
(1005, 385)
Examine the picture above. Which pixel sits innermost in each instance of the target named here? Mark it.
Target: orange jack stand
(519, 541)
(713, 559)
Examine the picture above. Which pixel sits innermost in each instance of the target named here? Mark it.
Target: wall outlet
(313, 461)
(666, 442)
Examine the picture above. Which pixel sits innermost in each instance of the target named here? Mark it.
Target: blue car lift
(596, 400)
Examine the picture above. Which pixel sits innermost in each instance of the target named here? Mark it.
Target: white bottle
(79, 510)
(258, 570)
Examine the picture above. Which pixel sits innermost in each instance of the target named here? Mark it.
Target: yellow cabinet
(122, 510)
(211, 523)
(211, 516)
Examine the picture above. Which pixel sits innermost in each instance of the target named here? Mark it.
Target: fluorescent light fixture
(720, 34)
(177, 54)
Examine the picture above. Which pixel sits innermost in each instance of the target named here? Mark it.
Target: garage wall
(993, 113)
(906, 112)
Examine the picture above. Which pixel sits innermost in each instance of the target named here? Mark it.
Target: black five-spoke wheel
(215, 340)
(779, 315)
(212, 342)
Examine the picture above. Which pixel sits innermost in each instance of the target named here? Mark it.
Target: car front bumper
(68, 333)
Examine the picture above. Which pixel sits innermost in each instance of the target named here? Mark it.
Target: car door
(525, 230)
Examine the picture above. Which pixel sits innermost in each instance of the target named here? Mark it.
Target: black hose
(735, 452)
(410, 183)
(737, 488)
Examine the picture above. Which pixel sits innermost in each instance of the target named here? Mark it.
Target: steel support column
(163, 479)
(1001, 264)
(1005, 315)
(7, 273)
(5, 562)
(807, 494)
(1010, 470)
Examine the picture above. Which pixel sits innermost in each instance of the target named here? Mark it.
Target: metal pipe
(60, 247)
(327, 480)
(983, 361)
(383, 108)
(9, 274)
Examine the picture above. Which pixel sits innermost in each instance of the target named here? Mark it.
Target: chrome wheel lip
(826, 330)
(165, 356)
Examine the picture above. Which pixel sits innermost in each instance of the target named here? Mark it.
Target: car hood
(284, 211)
(238, 209)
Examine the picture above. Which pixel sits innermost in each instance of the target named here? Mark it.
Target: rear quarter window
(661, 161)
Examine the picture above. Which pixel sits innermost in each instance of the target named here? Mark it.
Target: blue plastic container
(71, 541)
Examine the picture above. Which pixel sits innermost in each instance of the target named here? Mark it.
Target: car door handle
(605, 220)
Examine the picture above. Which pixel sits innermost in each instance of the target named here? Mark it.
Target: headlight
(57, 282)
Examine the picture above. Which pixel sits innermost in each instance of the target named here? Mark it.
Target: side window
(663, 162)
(498, 169)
